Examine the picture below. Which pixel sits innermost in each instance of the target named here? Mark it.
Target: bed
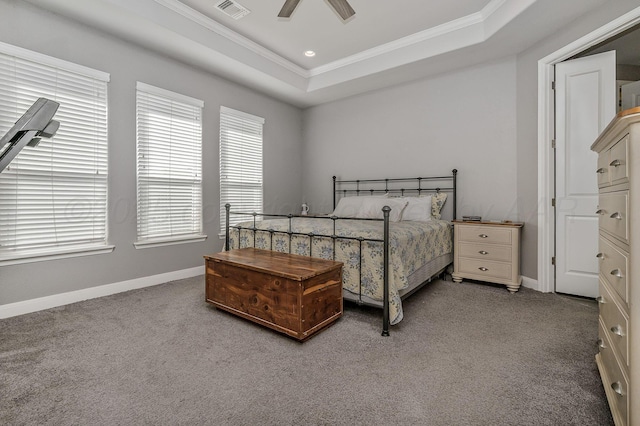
(393, 236)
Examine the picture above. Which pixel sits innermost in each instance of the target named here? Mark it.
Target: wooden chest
(295, 295)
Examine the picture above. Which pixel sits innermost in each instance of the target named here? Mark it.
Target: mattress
(417, 250)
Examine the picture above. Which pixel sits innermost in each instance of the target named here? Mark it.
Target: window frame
(179, 238)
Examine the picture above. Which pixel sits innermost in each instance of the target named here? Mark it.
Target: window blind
(240, 164)
(169, 165)
(53, 197)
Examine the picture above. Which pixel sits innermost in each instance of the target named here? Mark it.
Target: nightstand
(487, 251)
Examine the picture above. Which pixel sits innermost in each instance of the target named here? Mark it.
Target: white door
(630, 95)
(585, 104)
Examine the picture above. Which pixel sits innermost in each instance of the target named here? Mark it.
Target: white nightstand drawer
(484, 234)
(500, 253)
(618, 170)
(487, 269)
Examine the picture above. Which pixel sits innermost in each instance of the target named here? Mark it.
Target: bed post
(385, 301)
(227, 207)
(334, 193)
(455, 195)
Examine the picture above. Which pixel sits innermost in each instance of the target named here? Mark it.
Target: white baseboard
(530, 283)
(41, 303)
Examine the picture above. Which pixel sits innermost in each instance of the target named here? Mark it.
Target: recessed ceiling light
(309, 53)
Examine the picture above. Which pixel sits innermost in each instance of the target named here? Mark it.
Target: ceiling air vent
(233, 8)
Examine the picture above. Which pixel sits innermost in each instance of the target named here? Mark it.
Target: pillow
(350, 206)
(372, 208)
(418, 209)
(437, 202)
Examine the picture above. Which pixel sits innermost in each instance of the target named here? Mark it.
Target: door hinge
(553, 85)
(553, 143)
(553, 202)
(553, 261)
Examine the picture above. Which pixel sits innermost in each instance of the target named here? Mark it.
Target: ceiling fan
(343, 8)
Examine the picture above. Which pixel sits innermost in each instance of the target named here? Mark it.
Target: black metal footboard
(334, 237)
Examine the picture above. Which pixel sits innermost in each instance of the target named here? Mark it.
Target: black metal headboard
(397, 186)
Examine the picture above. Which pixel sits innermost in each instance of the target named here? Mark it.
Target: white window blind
(53, 197)
(169, 163)
(240, 164)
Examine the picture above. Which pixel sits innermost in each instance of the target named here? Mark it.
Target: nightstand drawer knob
(616, 215)
(615, 163)
(600, 256)
(600, 343)
(483, 269)
(617, 330)
(617, 388)
(600, 171)
(600, 300)
(600, 211)
(484, 253)
(616, 273)
(483, 236)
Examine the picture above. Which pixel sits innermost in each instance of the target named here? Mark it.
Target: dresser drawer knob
(600, 171)
(484, 253)
(617, 330)
(616, 273)
(483, 269)
(616, 215)
(600, 300)
(615, 163)
(600, 256)
(483, 236)
(600, 344)
(617, 388)
(600, 211)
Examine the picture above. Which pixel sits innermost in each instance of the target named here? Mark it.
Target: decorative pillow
(372, 208)
(350, 206)
(437, 202)
(418, 208)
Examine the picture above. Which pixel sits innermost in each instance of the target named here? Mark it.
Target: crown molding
(212, 25)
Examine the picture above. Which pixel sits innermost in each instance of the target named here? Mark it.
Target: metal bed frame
(342, 188)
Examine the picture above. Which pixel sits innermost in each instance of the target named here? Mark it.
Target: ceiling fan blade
(343, 8)
(288, 8)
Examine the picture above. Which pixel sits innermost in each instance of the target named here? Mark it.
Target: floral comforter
(412, 245)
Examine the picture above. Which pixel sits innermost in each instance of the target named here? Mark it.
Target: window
(169, 164)
(53, 197)
(240, 164)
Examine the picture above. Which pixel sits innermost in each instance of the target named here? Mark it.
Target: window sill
(169, 241)
(42, 256)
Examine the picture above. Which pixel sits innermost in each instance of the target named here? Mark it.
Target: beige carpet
(465, 354)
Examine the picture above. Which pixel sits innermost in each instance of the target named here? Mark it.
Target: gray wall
(464, 120)
(32, 28)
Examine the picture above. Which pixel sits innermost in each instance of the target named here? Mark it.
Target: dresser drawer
(486, 269)
(615, 322)
(612, 214)
(484, 234)
(614, 264)
(618, 170)
(616, 384)
(500, 253)
(603, 169)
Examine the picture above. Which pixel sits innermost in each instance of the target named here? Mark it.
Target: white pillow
(350, 206)
(372, 208)
(418, 208)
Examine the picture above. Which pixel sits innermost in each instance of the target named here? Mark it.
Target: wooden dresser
(618, 360)
(487, 251)
(295, 295)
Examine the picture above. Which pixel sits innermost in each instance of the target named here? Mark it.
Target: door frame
(546, 132)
